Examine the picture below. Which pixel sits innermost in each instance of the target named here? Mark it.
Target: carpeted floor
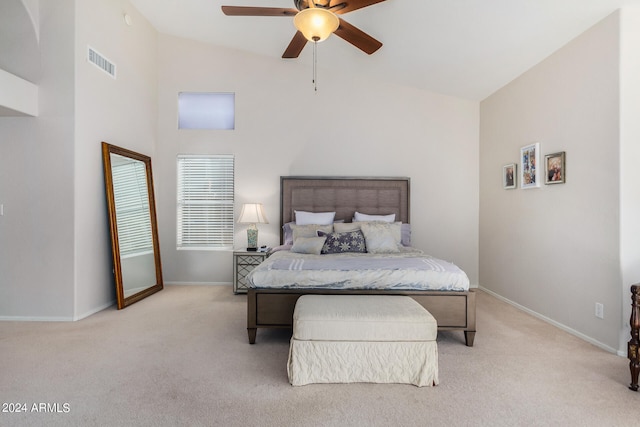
(181, 358)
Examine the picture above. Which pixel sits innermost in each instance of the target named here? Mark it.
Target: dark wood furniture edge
(282, 301)
(470, 331)
(633, 347)
(251, 315)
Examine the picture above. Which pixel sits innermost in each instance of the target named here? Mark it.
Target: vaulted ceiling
(464, 48)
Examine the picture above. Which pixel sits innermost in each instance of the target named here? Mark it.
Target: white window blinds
(205, 202)
(132, 208)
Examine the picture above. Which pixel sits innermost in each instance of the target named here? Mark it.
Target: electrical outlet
(599, 310)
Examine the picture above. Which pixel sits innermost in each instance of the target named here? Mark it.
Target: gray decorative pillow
(405, 231)
(347, 226)
(309, 230)
(288, 231)
(379, 237)
(308, 245)
(336, 243)
(394, 227)
(287, 234)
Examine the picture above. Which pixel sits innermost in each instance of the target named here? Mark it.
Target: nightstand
(243, 263)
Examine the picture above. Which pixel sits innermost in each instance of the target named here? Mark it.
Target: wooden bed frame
(633, 347)
(273, 308)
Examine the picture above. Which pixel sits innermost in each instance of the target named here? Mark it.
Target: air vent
(101, 62)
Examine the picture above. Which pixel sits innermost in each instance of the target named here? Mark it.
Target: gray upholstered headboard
(344, 196)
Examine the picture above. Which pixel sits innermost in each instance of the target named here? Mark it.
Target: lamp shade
(252, 213)
(316, 23)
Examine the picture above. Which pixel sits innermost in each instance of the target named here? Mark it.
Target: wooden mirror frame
(107, 150)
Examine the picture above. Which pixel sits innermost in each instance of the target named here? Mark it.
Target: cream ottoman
(362, 338)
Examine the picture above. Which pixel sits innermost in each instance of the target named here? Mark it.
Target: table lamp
(252, 213)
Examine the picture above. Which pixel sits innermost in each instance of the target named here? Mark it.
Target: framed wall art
(554, 168)
(509, 176)
(530, 166)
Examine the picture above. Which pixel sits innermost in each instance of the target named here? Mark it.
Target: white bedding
(409, 269)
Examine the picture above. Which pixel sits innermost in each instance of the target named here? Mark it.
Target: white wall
(555, 250)
(36, 181)
(122, 112)
(55, 259)
(19, 58)
(17, 96)
(351, 126)
(629, 154)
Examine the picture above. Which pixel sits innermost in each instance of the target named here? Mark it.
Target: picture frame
(509, 176)
(555, 168)
(530, 166)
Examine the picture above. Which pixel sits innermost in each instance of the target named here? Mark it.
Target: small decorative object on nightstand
(243, 263)
(252, 213)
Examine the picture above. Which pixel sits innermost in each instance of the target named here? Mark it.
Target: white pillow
(308, 245)
(364, 217)
(322, 218)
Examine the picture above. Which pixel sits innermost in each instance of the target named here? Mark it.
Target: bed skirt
(406, 362)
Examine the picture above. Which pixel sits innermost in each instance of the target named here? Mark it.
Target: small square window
(206, 110)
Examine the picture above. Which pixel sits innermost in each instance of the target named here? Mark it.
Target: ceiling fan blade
(351, 5)
(356, 37)
(298, 42)
(258, 11)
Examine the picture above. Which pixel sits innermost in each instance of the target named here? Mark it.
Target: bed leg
(469, 336)
(252, 335)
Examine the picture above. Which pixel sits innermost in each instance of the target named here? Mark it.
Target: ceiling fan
(316, 20)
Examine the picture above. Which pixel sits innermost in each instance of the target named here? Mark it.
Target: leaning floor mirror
(132, 220)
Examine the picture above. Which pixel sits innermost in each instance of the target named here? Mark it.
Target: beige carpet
(181, 358)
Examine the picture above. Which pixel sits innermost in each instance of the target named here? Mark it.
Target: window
(203, 110)
(132, 206)
(205, 202)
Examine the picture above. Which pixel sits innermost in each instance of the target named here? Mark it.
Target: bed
(271, 299)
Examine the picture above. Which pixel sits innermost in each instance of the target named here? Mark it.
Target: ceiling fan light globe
(316, 24)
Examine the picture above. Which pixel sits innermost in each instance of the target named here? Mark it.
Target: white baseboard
(95, 310)
(200, 283)
(554, 323)
(36, 319)
(55, 318)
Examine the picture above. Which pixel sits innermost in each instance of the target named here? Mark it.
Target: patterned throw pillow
(336, 243)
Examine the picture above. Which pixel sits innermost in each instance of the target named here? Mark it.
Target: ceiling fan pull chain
(315, 66)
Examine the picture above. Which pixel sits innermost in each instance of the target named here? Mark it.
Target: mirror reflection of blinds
(132, 208)
(205, 201)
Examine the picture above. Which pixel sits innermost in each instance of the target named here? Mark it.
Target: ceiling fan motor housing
(304, 4)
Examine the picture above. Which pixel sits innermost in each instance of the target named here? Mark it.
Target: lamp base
(252, 238)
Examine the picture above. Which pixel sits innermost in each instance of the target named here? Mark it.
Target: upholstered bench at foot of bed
(362, 338)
